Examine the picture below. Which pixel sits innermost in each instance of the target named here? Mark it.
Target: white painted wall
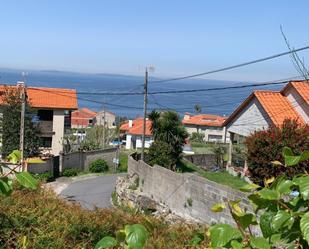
(251, 118)
(58, 129)
(148, 142)
(128, 141)
(298, 103)
(207, 130)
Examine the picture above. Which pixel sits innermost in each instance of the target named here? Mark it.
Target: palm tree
(169, 136)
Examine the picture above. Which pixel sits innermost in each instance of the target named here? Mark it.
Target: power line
(174, 91)
(234, 66)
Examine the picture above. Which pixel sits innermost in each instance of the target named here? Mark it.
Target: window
(214, 138)
(46, 142)
(45, 115)
(90, 121)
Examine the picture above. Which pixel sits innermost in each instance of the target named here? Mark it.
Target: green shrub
(266, 146)
(197, 137)
(98, 166)
(69, 172)
(45, 177)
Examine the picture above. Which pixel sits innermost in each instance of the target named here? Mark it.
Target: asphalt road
(91, 192)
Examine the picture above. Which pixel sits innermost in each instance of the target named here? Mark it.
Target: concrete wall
(252, 118)
(205, 161)
(175, 189)
(58, 128)
(39, 168)
(81, 160)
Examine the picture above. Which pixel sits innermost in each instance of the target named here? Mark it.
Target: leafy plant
(197, 137)
(283, 207)
(98, 166)
(131, 237)
(69, 172)
(264, 147)
(25, 179)
(45, 177)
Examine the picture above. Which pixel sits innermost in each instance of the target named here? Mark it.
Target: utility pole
(145, 113)
(104, 125)
(22, 123)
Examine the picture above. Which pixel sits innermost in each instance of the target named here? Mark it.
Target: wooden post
(230, 150)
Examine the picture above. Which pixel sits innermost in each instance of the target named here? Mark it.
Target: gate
(56, 164)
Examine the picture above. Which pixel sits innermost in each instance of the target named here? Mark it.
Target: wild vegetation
(37, 219)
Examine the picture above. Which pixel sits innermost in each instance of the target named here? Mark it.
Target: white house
(263, 109)
(209, 125)
(133, 130)
(53, 107)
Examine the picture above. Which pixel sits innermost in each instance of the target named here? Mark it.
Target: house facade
(132, 131)
(263, 109)
(52, 107)
(83, 118)
(107, 116)
(209, 125)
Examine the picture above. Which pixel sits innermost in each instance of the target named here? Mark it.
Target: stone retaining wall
(187, 195)
(205, 161)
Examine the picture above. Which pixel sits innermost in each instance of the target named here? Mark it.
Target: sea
(90, 86)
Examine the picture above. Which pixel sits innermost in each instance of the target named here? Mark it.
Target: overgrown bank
(38, 219)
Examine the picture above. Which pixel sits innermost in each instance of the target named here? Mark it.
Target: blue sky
(178, 37)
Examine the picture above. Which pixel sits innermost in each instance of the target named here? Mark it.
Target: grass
(38, 219)
(221, 177)
(123, 162)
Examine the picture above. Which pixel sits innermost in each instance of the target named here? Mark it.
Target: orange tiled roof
(277, 106)
(137, 127)
(204, 120)
(302, 87)
(53, 98)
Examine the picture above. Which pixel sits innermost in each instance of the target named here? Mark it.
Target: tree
(169, 137)
(11, 110)
(94, 139)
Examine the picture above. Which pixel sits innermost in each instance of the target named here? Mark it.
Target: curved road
(91, 192)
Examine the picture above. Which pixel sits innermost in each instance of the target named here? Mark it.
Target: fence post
(61, 161)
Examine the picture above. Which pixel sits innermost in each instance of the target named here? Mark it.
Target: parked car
(115, 142)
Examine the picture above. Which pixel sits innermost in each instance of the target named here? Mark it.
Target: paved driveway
(91, 192)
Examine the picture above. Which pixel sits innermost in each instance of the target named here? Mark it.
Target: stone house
(52, 108)
(263, 109)
(209, 125)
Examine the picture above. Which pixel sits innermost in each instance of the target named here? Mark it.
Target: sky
(177, 37)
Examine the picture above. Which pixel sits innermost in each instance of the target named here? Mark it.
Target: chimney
(20, 83)
(187, 116)
(130, 123)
